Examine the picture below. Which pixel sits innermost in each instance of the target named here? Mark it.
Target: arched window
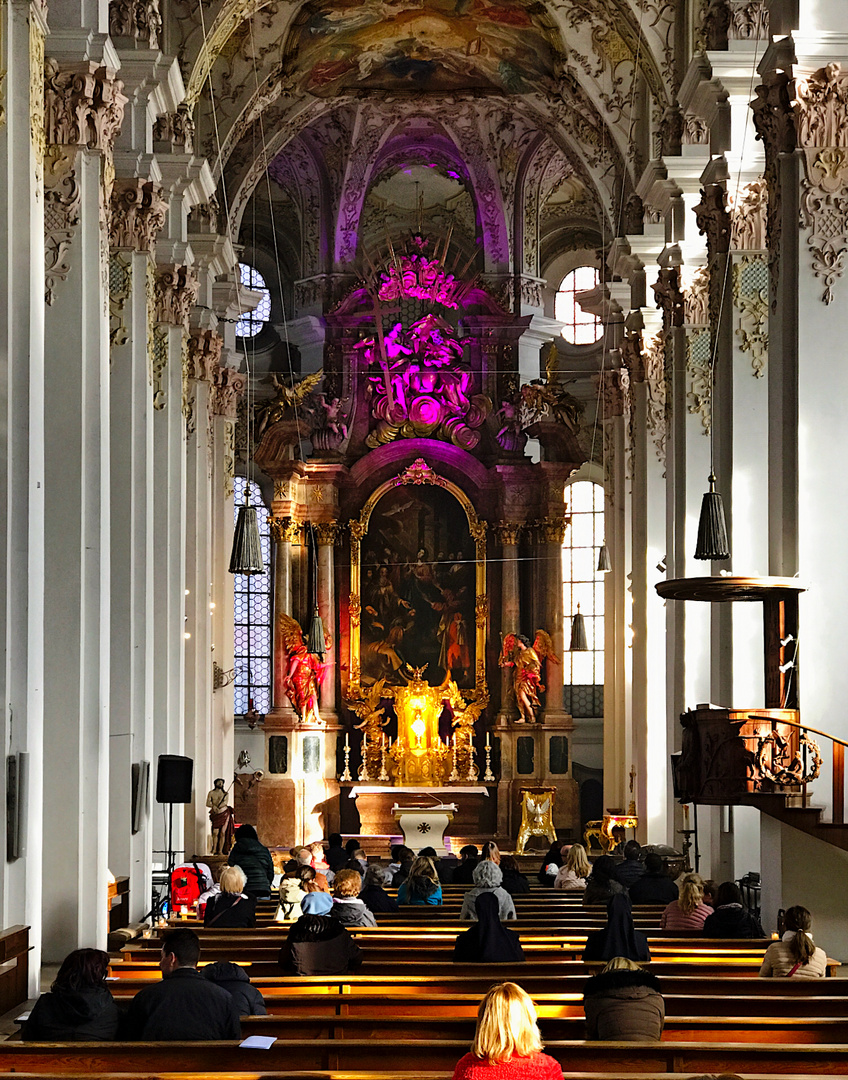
(583, 584)
(252, 603)
(251, 322)
(580, 328)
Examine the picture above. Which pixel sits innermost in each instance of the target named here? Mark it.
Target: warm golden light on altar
(419, 727)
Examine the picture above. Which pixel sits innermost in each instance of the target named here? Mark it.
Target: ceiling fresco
(423, 45)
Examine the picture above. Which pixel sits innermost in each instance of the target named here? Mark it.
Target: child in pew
(796, 954)
(507, 1044)
(623, 1004)
(79, 1006)
(317, 944)
(688, 912)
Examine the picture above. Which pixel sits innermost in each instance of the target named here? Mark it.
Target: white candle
(487, 740)
(347, 742)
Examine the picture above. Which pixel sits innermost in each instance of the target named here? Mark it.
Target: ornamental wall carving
(713, 219)
(61, 214)
(697, 299)
(821, 109)
(176, 130)
(653, 358)
(775, 126)
(83, 105)
(227, 387)
(120, 285)
(138, 211)
(748, 217)
(750, 301)
(203, 354)
(136, 19)
(699, 375)
(175, 294)
(669, 296)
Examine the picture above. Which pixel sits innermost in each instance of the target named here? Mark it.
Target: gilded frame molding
(419, 472)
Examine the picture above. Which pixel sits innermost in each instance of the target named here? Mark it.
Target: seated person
(183, 1006)
(623, 1004)
(444, 867)
(552, 861)
(730, 919)
(232, 907)
(304, 858)
(491, 851)
(689, 911)
(487, 878)
(514, 881)
(619, 937)
(407, 858)
(488, 942)
(292, 891)
(602, 884)
(373, 893)
(574, 871)
(795, 955)
(235, 981)
(507, 1044)
(632, 867)
(397, 857)
(654, 886)
(421, 886)
(335, 856)
(463, 873)
(79, 1006)
(317, 944)
(348, 909)
(255, 859)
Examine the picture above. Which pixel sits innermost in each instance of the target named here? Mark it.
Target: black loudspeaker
(173, 779)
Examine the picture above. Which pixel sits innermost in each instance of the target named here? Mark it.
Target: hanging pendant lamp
(316, 642)
(578, 633)
(246, 557)
(712, 528)
(604, 564)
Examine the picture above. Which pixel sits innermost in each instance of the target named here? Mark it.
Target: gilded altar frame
(419, 472)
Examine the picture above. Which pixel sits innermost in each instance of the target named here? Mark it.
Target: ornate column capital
(748, 216)
(203, 354)
(137, 213)
(669, 296)
(713, 219)
(551, 530)
(328, 533)
(285, 530)
(631, 357)
(174, 293)
(139, 20)
(83, 105)
(227, 387)
(821, 101)
(176, 131)
(615, 387)
(508, 533)
(696, 302)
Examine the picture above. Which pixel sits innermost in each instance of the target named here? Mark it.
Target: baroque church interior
(469, 302)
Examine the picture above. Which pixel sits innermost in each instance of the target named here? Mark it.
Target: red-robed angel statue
(527, 660)
(303, 674)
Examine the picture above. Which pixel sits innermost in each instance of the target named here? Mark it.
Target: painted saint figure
(527, 660)
(221, 819)
(304, 672)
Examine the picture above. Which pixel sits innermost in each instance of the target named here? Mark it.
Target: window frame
(594, 619)
(250, 318)
(579, 319)
(250, 586)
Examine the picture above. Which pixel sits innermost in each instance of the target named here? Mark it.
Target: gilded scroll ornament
(750, 299)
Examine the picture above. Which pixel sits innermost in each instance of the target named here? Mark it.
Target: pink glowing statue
(304, 673)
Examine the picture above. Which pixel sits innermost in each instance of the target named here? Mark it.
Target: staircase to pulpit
(761, 757)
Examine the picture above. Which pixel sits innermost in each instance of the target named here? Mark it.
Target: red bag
(188, 881)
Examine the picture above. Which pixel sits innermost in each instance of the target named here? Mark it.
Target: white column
(21, 452)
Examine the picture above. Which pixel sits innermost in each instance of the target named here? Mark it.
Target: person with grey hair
(487, 877)
(373, 893)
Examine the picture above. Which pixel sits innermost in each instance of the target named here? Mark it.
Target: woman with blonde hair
(422, 885)
(574, 871)
(491, 851)
(507, 1044)
(796, 953)
(688, 911)
(232, 907)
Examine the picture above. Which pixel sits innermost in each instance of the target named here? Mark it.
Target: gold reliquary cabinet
(418, 621)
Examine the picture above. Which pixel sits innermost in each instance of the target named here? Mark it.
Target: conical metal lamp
(246, 557)
(578, 633)
(604, 564)
(712, 527)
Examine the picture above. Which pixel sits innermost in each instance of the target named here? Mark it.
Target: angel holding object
(527, 660)
(303, 674)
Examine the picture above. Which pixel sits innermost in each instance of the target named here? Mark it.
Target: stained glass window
(252, 646)
(583, 584)
(581, 328)
(251, 322)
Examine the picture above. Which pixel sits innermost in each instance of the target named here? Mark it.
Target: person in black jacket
(373, 893)
(317, 944)
(631, 869)
(654, 886)
(255, 859)
(335, 856)
(463, 874)
(488, 941)
(619, 937)
(231, 907)
(513, 880)
(235, 981)
(730, 919)
(79, 1005)
(552, 861)
(183, 1006)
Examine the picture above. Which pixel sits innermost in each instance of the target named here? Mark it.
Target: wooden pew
(14, 967)
(609, 1058)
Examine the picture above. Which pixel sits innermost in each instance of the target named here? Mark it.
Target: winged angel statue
(527, 659)
(304, 672)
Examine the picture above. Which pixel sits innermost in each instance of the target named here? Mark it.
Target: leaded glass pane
(252, 609)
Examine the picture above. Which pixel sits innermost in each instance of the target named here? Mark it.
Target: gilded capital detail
(137, 214)
(285, 530)
(821, 101)
(327, 533)
(508, 533)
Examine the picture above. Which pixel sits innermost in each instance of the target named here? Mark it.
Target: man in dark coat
(335, 854)
(235, 981)
(183, 1005)
(255, 859)
(463, 874)
(631, 869)
(654, 886)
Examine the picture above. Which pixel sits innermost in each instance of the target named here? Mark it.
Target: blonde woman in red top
(688, 911)
(507, 1044)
